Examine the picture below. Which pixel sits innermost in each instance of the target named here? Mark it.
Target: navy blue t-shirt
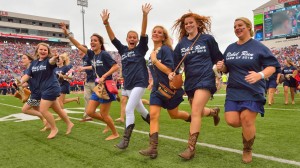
(199, 62)
(102, 62)
(90, 75)
(43, 77)
(134, 69)
(165, 56)
(288, 70)
(62, 70)
(35, 92)
(239, 60)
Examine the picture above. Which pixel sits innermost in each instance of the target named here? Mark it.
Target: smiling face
(158, 34)
(241, 30)
(95, 44)
(190, 25)
(132, 39)
(43, 52)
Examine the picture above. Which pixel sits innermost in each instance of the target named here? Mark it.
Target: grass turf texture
(23, 145)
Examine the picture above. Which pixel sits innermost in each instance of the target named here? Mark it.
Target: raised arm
(146, 9)
(54, 57)
(69, 35)
(105, 17)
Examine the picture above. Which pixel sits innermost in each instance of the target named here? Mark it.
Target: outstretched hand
(146, 8)
(63, 26)
(105, 16)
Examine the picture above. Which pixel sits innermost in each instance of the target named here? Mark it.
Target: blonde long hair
(168, 40)
(65, 58)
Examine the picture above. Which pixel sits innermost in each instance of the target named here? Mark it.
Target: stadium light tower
(83, 3)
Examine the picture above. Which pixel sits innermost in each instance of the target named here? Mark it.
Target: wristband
(106, 23)
(262, 75)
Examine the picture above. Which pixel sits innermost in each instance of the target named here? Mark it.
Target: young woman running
(134, 71)
(41, 73)
(104, 66)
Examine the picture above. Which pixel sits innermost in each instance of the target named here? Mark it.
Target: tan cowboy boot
(151, 151)
(214, 112)
(189, 152)
(247, 150)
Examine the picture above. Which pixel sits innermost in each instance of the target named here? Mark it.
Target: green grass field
(23, 145)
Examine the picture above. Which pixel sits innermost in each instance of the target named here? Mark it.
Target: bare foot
(86, 119)
(53, 133)
(46, 128)
(121, 120)
(69, 128)
(106, 129)
(111, 137)
(293, 102)
(57, 119)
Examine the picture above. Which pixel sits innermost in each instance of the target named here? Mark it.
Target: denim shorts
(50, 97)
(271, 84)
(239, 106)
(170, 104)
(96, 98)
(65, 89)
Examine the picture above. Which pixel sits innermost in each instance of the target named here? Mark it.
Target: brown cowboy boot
(189, 152)
(247, 150)
(214, 112)
(147, 119)
(126, 137)
(152, 149)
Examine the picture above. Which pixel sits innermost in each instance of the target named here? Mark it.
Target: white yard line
(280, 160)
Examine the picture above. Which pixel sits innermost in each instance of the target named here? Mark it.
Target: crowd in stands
(10, 52)
(10, 62)
(293, 52)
